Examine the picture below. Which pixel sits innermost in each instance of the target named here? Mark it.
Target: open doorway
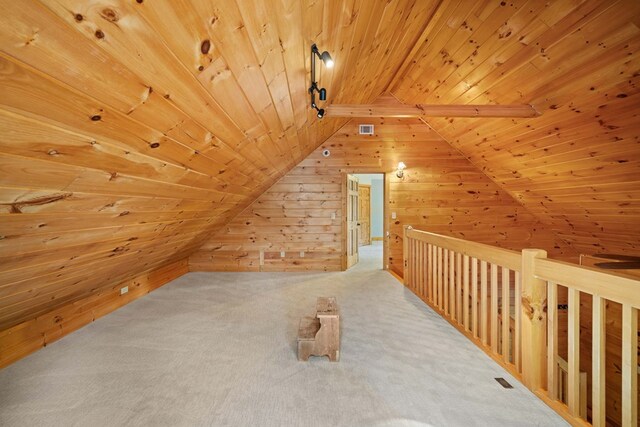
(365, 219)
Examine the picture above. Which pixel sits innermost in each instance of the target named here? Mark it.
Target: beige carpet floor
(219, 349)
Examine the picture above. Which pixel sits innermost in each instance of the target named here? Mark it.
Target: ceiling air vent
(366, 129)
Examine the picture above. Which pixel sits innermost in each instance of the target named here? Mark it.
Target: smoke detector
(366, 130)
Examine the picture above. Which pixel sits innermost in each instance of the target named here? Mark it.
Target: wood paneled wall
(25, 338)
(440, 192)
(295, 225)
(130, 131)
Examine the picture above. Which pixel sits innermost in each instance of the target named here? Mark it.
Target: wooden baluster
(430, 272)
(432, 276)
(409, 263)
(573, 342)
(629, 365)
(423, 263)
(517, 355)
(506, 315)
(494, 308)
(552, 334)
(465, 292)
(423, 269)
(416, 266)
(474, 296)
(440, 278)
(459, 273)
(598, 403)
(423, 279)
(405, 256)
(436, 280)
(429, 269)
(409, 266)
(445, 280)
(484, 320)
(452, 285)
(436, 276)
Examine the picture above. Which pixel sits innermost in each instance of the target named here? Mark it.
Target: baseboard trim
(27, 337)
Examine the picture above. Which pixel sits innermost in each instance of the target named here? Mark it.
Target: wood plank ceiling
(133, 129)
(577, 168)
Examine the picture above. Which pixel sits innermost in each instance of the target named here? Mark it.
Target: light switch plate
(393, 215)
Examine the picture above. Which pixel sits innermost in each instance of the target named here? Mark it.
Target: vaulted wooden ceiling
(577, 168)
(132, 130)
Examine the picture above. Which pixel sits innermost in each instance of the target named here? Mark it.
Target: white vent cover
(366, 129)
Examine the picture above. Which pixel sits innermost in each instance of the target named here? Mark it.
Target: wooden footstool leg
(303, 352)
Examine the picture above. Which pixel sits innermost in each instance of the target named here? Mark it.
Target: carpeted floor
(219, 349)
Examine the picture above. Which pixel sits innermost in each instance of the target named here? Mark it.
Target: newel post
(405, 255)
(534, 322)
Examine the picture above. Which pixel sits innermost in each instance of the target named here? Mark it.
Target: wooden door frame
(385, 216)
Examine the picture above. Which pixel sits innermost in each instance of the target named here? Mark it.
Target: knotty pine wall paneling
(133, 130)
(441, 192)
(24, 338)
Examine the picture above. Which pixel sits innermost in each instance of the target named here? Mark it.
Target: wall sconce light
(322, 92)
(401, 168)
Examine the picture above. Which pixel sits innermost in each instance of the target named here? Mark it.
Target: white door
(352, 220)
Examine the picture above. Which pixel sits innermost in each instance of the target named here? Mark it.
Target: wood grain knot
(154, 145)
(78, 17)
(205, 46)
(99, 34)
(110, 15)
(96, 117)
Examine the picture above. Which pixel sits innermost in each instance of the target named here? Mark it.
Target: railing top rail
(590, 280)
(503, 257)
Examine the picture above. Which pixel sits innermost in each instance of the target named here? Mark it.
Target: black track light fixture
(322, 92)
(325, 56)
(320, 111)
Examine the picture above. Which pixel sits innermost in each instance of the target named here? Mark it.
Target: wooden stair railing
(476, 287)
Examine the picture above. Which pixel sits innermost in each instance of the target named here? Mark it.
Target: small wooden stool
(319, 335)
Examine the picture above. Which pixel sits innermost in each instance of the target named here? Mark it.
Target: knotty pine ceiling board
(133, 130)
(577, 167)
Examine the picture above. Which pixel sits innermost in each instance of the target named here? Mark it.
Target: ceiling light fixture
(322, 92)
(401, 168)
